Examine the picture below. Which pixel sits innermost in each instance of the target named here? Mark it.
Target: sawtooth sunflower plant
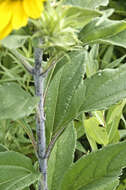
(57, 42)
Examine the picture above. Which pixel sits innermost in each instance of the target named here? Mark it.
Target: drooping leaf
(92, 4)
(15, 103)
(61, 157)
(14, 41)
(95, 31)
(94, 171)
(16, 171)
(104, 89)
(63, 100)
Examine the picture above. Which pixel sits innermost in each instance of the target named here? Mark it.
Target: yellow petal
(5, 14)
(19, 17)
(5, 31)
(33, 8)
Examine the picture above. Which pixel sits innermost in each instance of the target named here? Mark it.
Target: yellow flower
(15, 13)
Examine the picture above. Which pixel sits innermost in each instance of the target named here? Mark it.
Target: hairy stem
(40, 119)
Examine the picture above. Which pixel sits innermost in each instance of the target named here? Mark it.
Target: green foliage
(13, 135)
(94, 171)
(14, 98)
(62, 100)
(14, 41)
(97, 94)
(61, 157)
(91, 61)
(113, 64)
(104, 89)
(89, 77)
(95, 132)
(16, 171)
(104, 130)
(27, 188)
(88, 3)
(81, 16)
(112, 121)
(3, 148)
(122, 186)
(117, 40)
(97, 30)
(80, 147)
(59, 26)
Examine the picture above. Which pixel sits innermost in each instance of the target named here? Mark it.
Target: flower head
(15, 13)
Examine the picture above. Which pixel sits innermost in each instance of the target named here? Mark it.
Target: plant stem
(40, 119)
(54, 139)
(30, 135)
(23, 60)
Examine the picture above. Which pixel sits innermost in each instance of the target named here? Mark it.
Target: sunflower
(15, 13)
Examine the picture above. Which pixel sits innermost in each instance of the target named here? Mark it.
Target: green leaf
(117, 40)
(3, 148)
(79, 128)
(80, 147)
(115, 63)
(112, 119)
(104, 89)
(61, 157)
(100, 116)
(92, 143)
(106, 14)
(92, 4)
(94, 31)
(92, 129)
(16, 171)
(63, 99)
(80, 16)
(98, 170)
(15, 103)
(91, 61)
(122, 133)
(107, 56)
(14, 41)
